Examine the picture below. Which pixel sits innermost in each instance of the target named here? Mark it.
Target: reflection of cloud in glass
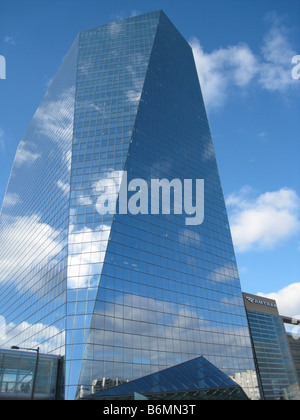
(2, 328)
(65, 188)
(86, 256)
(163, 334)
(33, 226)
(115, 28)
(11, 199)
(54, 118)
(26, 232)
(26, 154)
(47, 337)
(87, 246)
(68, 159)
(84, 66)
(138, 61)
(226, 273)
(189, 237)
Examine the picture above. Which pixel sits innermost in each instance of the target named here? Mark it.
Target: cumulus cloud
(44, 241)
(47, 337)
(26, 154)
(264, 221)
(275, 71)
(44, 245)
(54, 121)
(9, 40)
(288, 300)
(133, 95)
(54, 118)
(11, 199)
(221, 68)
(225, 274)
(237, 65)
(65, 188)
(86, 256)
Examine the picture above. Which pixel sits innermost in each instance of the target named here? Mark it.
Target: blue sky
(243, 51)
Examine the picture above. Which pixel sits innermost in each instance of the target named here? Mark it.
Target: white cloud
(11, 199)
(43, 242)
(85, 201)
(224, 274)
(219, 69)
(133, 95)
(55, 118)
(136, 80)
(175, 327)
(9, 40)
(124, 15)
(2, 328)
(189, 237)
(47, 337)
(87, 247)
(239, 66)
(264, 221)
(26, 154)
(115, 28)
(135, 12)
(65, 188)
(86, 255)
(288, 300)
(67, 159)
(275, 71)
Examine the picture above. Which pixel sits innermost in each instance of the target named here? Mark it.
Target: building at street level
(248, 380)
(119, 296)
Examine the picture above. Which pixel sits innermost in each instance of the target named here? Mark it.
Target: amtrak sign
(261, 302)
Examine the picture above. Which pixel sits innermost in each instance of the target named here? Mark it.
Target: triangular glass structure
(196, 379)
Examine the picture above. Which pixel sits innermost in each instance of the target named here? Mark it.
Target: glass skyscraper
(119, 295)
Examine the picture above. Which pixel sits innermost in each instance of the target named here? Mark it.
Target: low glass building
(19, 373)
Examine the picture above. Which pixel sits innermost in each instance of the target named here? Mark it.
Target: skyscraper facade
(119, 295)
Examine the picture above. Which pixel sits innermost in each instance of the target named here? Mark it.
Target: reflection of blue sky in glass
(119, 295)
(150, 311)
(167, 292)
(112, 64)
(34, 222)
